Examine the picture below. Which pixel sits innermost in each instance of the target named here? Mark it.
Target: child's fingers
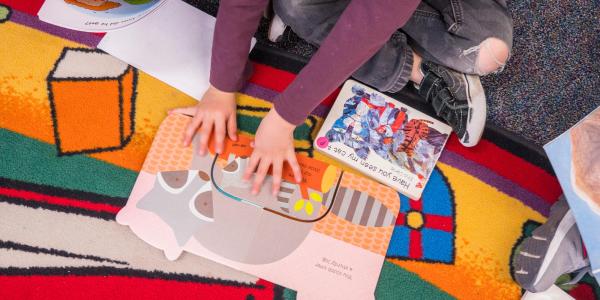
(232, 127)
(293, 161)
(190, 110)
(260, 175)
(191, 130)
(219, 135)
(204, 136)
(252, 164)
(277, 166)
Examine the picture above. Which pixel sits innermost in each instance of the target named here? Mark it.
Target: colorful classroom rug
(60, 189)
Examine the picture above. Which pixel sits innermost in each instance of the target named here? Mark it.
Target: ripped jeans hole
(472, 55)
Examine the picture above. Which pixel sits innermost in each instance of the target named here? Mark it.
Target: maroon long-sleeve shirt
(363, 27)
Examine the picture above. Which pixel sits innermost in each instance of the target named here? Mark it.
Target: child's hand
(273, 144)
(217, 108)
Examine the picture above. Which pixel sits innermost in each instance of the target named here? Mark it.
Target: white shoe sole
(477, 111)
(567, 222)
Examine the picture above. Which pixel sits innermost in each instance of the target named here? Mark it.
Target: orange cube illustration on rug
(92, 100)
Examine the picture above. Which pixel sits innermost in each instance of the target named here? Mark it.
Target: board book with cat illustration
(383, 138)
(325, 237)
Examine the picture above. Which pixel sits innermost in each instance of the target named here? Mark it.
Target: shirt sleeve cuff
(223, 81)
(287, 112)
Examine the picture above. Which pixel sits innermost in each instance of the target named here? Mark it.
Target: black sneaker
(457, 98)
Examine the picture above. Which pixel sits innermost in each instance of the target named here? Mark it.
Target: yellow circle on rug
(414, 219)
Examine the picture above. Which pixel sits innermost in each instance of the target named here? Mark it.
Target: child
(443, 47)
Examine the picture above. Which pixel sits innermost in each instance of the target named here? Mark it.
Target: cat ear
(174, 179)
(174, 182)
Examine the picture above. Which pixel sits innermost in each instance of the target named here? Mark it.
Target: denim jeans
(446, 32)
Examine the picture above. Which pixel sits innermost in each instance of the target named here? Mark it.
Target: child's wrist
(216, 90)
(280, 121)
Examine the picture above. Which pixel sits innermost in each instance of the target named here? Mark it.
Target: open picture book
(325, 237)
(575, 157)
(383, 138)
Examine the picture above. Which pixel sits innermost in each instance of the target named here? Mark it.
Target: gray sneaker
(554, 249)
(457, 98)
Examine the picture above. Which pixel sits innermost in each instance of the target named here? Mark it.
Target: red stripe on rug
(416, 204)
(30, 7)
(122, 287)
(439, 222)
(62, 201)
(277, 80)
(271, 78)
(415, 249)
(510, 166)
(400, 219)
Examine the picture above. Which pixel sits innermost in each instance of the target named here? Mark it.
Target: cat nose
(203, 175)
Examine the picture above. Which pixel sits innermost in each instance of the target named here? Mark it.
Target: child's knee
(293, 13)
(493, 54)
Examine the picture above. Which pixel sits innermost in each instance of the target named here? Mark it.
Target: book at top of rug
(383, 138)
(575, 158)
(96, 15)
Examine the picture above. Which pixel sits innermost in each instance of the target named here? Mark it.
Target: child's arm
(363, 27)
(237, 21)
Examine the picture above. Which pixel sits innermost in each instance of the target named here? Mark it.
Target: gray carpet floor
(552, 79)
